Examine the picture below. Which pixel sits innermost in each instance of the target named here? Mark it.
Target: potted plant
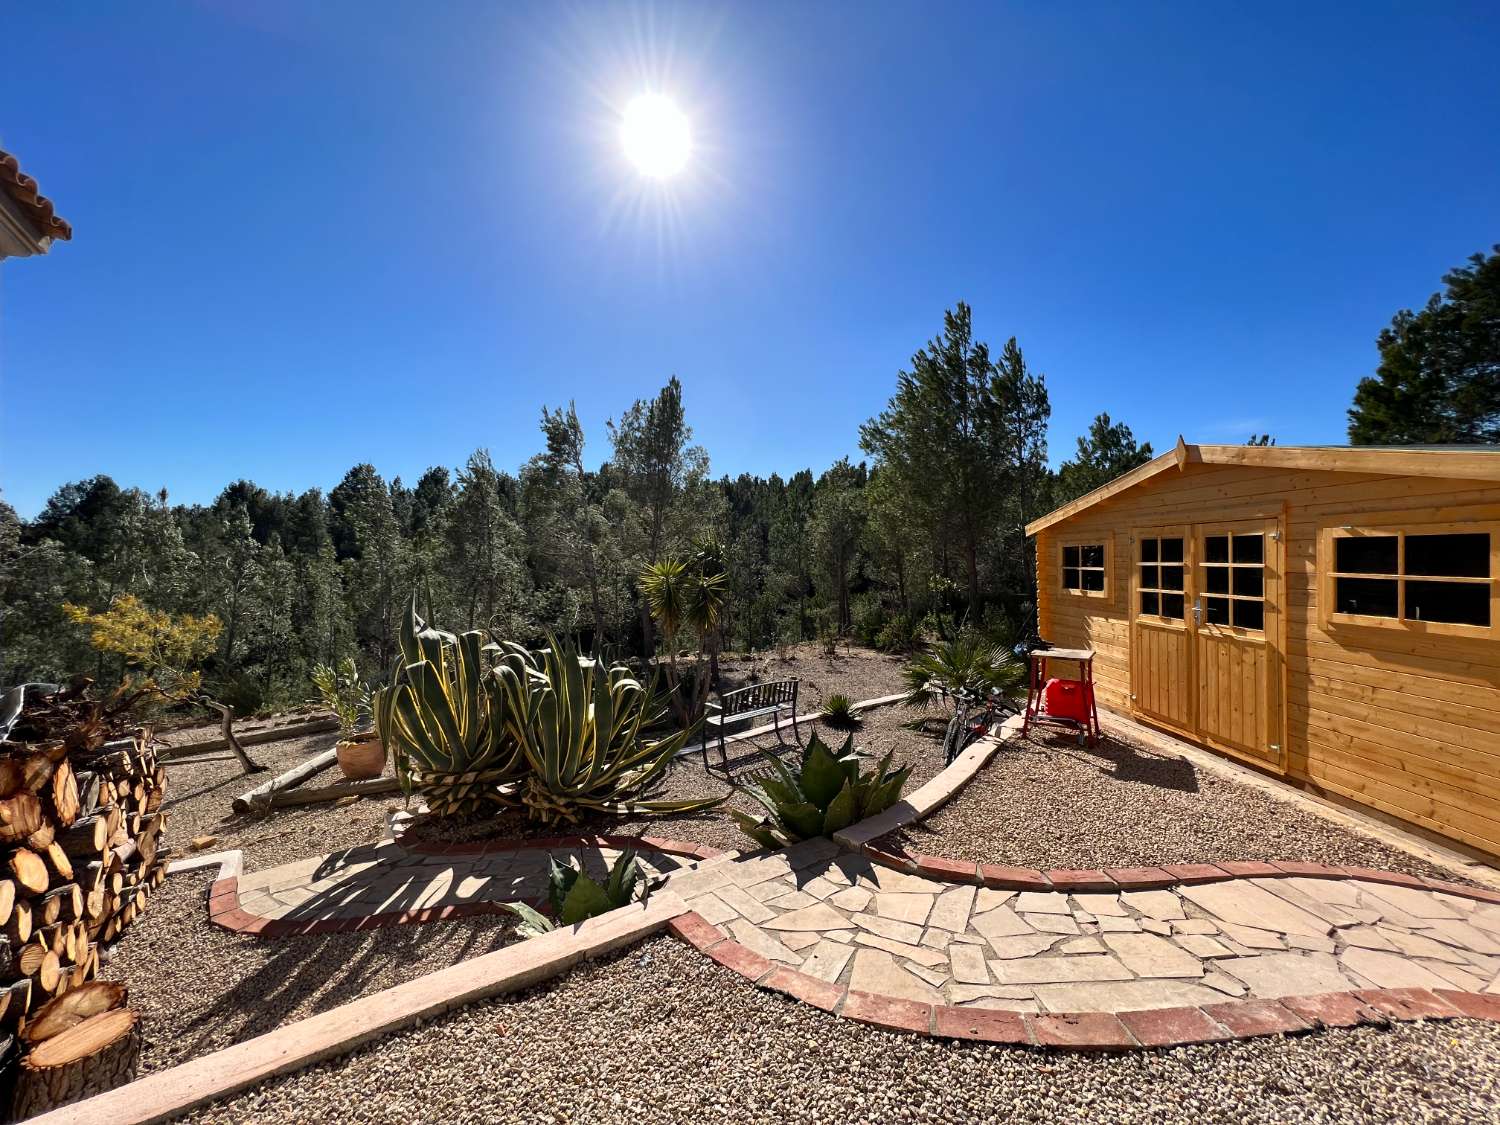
(361, 753)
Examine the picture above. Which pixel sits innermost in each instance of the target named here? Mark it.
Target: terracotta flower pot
(361, 757)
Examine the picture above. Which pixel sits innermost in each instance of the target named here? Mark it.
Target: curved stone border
(224, 900)
(1089, 1031)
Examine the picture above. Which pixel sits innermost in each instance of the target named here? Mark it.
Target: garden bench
(771, 698)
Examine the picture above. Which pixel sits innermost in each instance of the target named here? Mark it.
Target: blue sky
(312, 235)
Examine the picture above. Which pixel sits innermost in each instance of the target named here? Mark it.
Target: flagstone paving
(1044, 951)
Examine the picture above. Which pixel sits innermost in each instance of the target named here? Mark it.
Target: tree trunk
(226, 716)
(89, 1058)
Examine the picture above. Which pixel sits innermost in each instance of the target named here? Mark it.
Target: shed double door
(1205, 620)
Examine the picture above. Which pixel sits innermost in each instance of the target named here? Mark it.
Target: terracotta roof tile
(36, 206)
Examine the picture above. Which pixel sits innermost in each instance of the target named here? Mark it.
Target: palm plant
(839, 712)
(826, 795)
(687, 595)
(967, 665)
(579, 727)
(574, 896)
(442, 718)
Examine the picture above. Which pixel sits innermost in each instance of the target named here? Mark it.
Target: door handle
(1197, 612)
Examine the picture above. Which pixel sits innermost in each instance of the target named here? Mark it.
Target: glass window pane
(1249, 581)
(1250, 615)
(1365, 554)
(1216, 611)
(1249, 548)
(1171, 577)
(1150, 578)
(1371, 597)
(1148, 550)
(1460, 556)
(1070, 556)
(1216, 548)
(1070, 578)
(1460, 603)
(1171, 606)
(1216, 579)
(1150, 602)
(1171, 550)
(1093, 555)
(1093, 580)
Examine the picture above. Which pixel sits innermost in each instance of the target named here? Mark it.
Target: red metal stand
(1036, 708)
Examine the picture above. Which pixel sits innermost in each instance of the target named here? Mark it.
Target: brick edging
(1112, 879)
(1090, 1031)
(224, 898)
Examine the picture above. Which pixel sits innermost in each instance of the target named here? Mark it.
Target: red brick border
(1091, 1031)
(224, 900)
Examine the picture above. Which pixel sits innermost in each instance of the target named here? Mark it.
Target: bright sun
(656, 136)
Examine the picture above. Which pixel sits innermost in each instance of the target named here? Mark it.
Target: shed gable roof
(1461, 462)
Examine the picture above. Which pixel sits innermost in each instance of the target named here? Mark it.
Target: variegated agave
(581, 727)
(825, 796)
(442, 718)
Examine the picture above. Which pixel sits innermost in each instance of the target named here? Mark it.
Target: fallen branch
(375, 787)
(258, 800)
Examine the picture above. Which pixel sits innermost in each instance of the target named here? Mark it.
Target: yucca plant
(580, 727)
(839, 712)
(967, 664)
(829, 793)
(442, 718)
(574, 896)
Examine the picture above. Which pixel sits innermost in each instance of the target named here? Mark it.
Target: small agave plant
(829, 793)
(573, 896)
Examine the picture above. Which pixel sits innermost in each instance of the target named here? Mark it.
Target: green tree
(1107, 451)
(1439, 376)
(837, 528)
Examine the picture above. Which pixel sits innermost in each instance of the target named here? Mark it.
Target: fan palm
(968, 664)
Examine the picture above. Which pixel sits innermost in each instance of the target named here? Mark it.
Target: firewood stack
(80, 854)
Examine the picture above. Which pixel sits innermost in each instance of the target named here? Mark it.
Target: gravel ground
(1047, 802)
(199, 988)
(661, 1034)
(859, 673)
(198, 797)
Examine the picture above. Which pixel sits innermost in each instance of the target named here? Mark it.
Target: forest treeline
(926, 533)
(924, 536)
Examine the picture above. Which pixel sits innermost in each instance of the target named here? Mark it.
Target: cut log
(18, 929)
(42, 838)
(86, 838)
(63, 794)
(58, 860)
(30, 871)
(258, 800)
(88, 790)
(88, 1058)
(17, 1002)
(10, 776)
(64, 903)
(7, 899)
(29, 961)
(49, 973)
(374, 787)
(20, 816)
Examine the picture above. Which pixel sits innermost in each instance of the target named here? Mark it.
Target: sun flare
(656, 136)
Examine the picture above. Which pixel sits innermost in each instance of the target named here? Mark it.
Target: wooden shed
(1328, 614)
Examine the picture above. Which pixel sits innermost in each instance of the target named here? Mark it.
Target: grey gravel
(1047, 802)
(661, 1034)
(199, 988)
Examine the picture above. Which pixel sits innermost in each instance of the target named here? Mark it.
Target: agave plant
(442, 718)
(839, 712)
(829, 793)
(967, 664)
(573, 896)
(580, 727)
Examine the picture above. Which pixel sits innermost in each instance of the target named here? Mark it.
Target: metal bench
(770, 698)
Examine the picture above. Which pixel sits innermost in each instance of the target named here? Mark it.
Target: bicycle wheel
(953, 739)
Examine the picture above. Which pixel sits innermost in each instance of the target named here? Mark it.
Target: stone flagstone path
(839, 918)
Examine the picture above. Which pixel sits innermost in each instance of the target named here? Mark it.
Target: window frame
(1401, 525)
(1104, 539)
(1202, 565)
(1174, 531)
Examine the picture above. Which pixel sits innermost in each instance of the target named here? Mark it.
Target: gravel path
(199, 988)
(1047, 802)
(661, 1034)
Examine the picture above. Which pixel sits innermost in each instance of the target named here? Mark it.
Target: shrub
(839, 712)
(899, 634)
(829, 793)
(574, 897)
(966, 664)
(343, 693)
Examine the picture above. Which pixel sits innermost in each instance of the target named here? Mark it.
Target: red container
(1068, 699)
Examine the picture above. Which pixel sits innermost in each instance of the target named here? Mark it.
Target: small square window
(1456, 603)
(1367, 597)
(1249, 581)
(1070, 556)
(1448, 556)
(1092, 555)
(1150, 577)
(1216, 579)
(1250, 615)
(1171, 606)
(1171, 577)
(1171, 551)
(1216, 611)
(1250, 548)
(1216, 548)
(1093, 581)
(1365, 554)
(1148, 550)
(1150, 602)
(1070, 578)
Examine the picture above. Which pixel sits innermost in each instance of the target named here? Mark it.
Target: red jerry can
(1068, 699)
